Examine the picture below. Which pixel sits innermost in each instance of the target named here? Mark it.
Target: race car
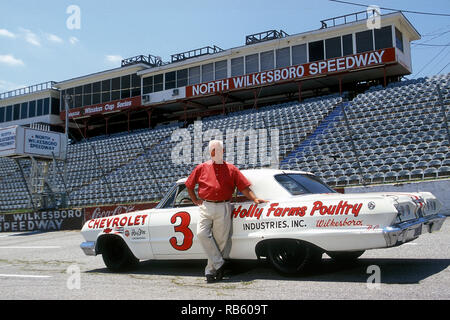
(303, 219)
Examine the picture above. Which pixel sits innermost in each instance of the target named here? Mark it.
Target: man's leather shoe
(220, 272)
(210, 278)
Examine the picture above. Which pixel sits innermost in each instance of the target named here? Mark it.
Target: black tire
(292, 257)
(345, 256)
(117, 256)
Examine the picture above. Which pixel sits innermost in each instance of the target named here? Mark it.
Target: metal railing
(27, 90)
(195, 53)
(348, 18)
(265, 36)
(148, 60)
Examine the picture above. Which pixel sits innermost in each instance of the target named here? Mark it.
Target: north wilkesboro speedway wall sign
(49, 220)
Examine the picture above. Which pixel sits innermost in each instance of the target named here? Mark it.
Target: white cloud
(54, 38)
(113, 59)
(10, 60)
(6, 86)
(6, 33)
(74, 40)
(31, 37)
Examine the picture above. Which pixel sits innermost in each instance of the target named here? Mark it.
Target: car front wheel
(117, 256)
(292, 257)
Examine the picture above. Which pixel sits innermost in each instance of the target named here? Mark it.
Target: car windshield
(298, 184)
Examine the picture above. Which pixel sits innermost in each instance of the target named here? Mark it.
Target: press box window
(207, 72)
(135, 85)
(194, 75)
(78, 97)
(106, 90)
(364, 41)
(251, 63)
(96, 88)
(115, 88)
(221, 71)
(398, 39)
(16, 112)
(299, 54)
(266, 59)
(2, 114)
(182, 78)
(87, 94)
(125, 87)
(54, 107)
(383, 38)
(170, 80)
(46, 106)
(333, 47)
(147, 84)
(158, 82)
(347, 45)
(40, 107)
(283, 57)
(32, 109)
(8, 113)
(24, 110)
(316, 51)
(237, 66)
(71, 101)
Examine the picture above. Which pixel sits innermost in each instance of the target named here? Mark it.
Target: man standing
(216, 181)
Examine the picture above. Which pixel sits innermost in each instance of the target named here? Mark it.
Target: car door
(173, 227)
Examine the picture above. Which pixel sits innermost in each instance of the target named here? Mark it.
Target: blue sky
(37, 46)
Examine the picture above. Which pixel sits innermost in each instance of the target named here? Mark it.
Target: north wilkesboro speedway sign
(50, 220)
(307, 70)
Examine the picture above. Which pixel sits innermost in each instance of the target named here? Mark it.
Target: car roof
(251, 174)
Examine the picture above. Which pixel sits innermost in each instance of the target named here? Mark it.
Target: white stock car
(303, 219)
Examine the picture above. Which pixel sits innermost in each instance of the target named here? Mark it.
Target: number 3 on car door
(181, 221)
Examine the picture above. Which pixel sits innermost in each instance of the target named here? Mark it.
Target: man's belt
(214, 201)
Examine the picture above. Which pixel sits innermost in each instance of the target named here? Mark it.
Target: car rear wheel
(117, 256)
(292, 257)
(345, 256)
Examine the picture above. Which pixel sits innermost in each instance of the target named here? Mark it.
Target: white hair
(214, 144)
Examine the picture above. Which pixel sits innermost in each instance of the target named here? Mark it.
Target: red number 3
(183, 227)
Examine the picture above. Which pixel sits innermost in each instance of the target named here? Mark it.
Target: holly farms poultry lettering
(318, 208)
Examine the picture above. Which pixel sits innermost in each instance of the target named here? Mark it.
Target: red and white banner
(107, 211)
(116, 105)
(307, 70)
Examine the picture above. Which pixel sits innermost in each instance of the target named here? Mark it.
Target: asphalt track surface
(51, 266)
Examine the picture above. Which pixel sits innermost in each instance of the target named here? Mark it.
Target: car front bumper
(88, 248)
(409, 230)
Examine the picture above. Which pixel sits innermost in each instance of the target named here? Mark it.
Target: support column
(106, 124)
(255, 95)
(223, 97)
(85, 124)
(299, 85)
(149, 114)
(128, 120)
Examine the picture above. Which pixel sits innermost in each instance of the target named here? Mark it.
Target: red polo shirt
(216, 182)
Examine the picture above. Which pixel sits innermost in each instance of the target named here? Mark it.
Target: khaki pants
(213, 231)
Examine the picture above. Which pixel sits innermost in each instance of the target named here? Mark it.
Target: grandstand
(356, 127)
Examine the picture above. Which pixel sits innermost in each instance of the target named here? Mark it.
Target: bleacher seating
(398, 134)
